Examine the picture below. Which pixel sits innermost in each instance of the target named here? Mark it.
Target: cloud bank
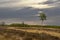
(27, 11)
(24, 3)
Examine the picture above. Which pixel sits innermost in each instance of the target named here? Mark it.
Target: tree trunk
(42, 23)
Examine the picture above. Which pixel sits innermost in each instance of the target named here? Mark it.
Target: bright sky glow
(29, 3)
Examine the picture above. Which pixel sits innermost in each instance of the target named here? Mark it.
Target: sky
(17, 11)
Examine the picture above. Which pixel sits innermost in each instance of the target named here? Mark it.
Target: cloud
(42, 6)
(18, 20)
(26, 14)
(24, 3)
(55, 3)
(12, 11)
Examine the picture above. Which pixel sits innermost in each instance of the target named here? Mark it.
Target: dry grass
(50, 31)
(12, 33)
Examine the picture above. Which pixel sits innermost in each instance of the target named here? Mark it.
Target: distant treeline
(26, 25)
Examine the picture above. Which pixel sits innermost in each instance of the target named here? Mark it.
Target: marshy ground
(12, 33)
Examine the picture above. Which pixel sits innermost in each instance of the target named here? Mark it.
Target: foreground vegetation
(17, 34)
(11, 34)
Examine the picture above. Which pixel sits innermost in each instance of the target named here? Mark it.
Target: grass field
(33, 33)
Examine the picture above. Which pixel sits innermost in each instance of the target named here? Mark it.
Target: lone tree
(42, 17)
